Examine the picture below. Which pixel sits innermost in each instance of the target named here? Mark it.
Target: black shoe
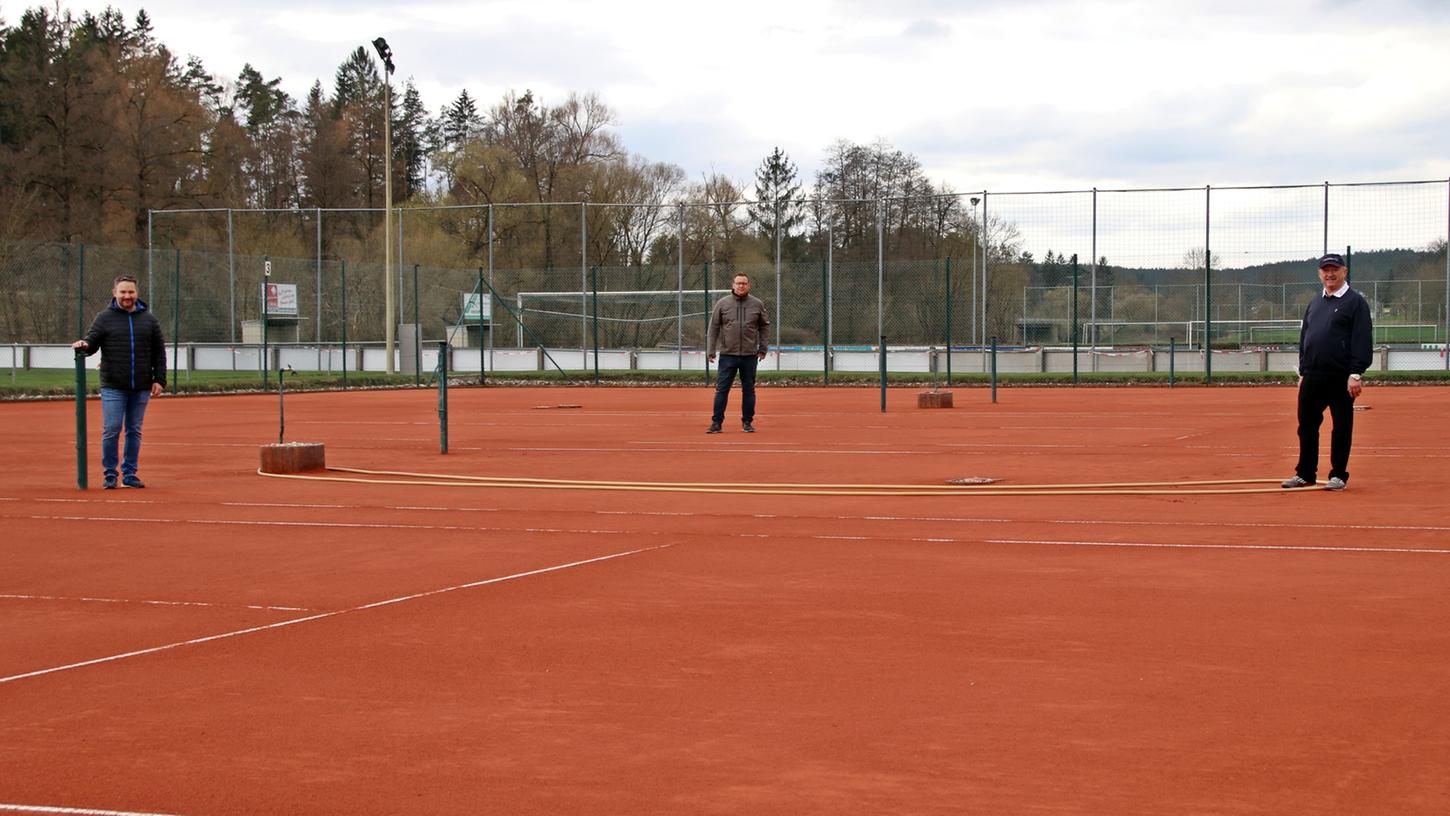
(714, 428)
(747, 427)
(109, 484)
(130, 480)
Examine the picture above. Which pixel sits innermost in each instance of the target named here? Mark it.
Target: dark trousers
(729, 365)
(1317, 392)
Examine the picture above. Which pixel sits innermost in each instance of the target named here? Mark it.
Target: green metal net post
(883, 373)
(81, 467)
(994, 369)
(443, 396)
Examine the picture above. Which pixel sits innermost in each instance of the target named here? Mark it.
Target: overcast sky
(1001, 95)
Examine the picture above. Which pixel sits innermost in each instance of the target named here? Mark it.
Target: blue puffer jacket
(133, 352)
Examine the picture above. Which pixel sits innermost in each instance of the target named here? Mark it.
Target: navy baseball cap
(1331, 259)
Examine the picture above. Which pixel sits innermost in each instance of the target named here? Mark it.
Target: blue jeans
(121, 406)
(730, 364)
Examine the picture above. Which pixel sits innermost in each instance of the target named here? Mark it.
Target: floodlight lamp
(975, 201)
(385, 52)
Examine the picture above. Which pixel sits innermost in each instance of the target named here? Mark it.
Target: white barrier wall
(205, 357)
(59, 357)
(664, 360)
(515, 360)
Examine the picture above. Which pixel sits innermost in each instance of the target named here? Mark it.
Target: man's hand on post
(80, 344)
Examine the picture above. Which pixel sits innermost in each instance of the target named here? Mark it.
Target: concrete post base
(934, 399)
(293, 457)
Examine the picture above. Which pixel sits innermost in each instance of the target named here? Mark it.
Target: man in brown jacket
(738, 326)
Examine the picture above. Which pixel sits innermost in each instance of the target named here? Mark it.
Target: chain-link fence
(1221, 268)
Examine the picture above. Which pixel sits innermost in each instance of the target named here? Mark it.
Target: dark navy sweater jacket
(133, 352)
(1335, 337)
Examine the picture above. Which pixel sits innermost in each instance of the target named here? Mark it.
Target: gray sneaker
(1335, 483)
(1297, 481)
(714, 428)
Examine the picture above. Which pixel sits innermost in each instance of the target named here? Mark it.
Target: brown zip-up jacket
(738, 326)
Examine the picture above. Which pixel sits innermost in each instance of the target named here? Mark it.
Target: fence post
(825, 322)
(1074, 320)
(706, 291)
(1207, 288)
(594, 315)
(482, 352)
(176, 322)
(1172, 359)
(81, 293)
(417, 331)
(231, 280)
(266, 276)
(949, 321)
(342, 321)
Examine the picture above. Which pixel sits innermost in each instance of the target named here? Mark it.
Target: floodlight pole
(388, 305)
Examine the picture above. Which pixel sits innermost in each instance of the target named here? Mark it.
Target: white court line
(100, 501)
(1426, 528)
(742, 449)
(156, 603)
(1011, 445)
(714, 442)
(288, 504)
(338, 524)
(1144, 545)
(8, 808)
(325, 615)
(1423, 528)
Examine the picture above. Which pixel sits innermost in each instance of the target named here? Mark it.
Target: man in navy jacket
(1335, 348)
(133, 370)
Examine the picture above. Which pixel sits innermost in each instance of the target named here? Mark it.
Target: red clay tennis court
(227, 643)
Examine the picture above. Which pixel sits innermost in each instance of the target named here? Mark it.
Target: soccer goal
(620, 318)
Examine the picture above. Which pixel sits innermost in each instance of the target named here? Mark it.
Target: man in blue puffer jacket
(133, 370)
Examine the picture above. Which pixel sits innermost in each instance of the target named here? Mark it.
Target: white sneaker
(1296, 481)
(1336, 483)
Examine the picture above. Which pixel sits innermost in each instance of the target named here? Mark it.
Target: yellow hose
(796, 489)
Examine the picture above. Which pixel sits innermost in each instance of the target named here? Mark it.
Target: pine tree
(777, 195)
(410, 141)
(459, 123)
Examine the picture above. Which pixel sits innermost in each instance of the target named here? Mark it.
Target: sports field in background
(226, 643)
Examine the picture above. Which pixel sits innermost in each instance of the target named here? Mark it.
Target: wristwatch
(1355, 377)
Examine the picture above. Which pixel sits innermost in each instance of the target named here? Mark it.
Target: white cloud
(1017, 94)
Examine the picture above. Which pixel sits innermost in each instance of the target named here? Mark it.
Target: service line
(8, 808)
(155, 603)
(325, 615)
(1169, 546)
